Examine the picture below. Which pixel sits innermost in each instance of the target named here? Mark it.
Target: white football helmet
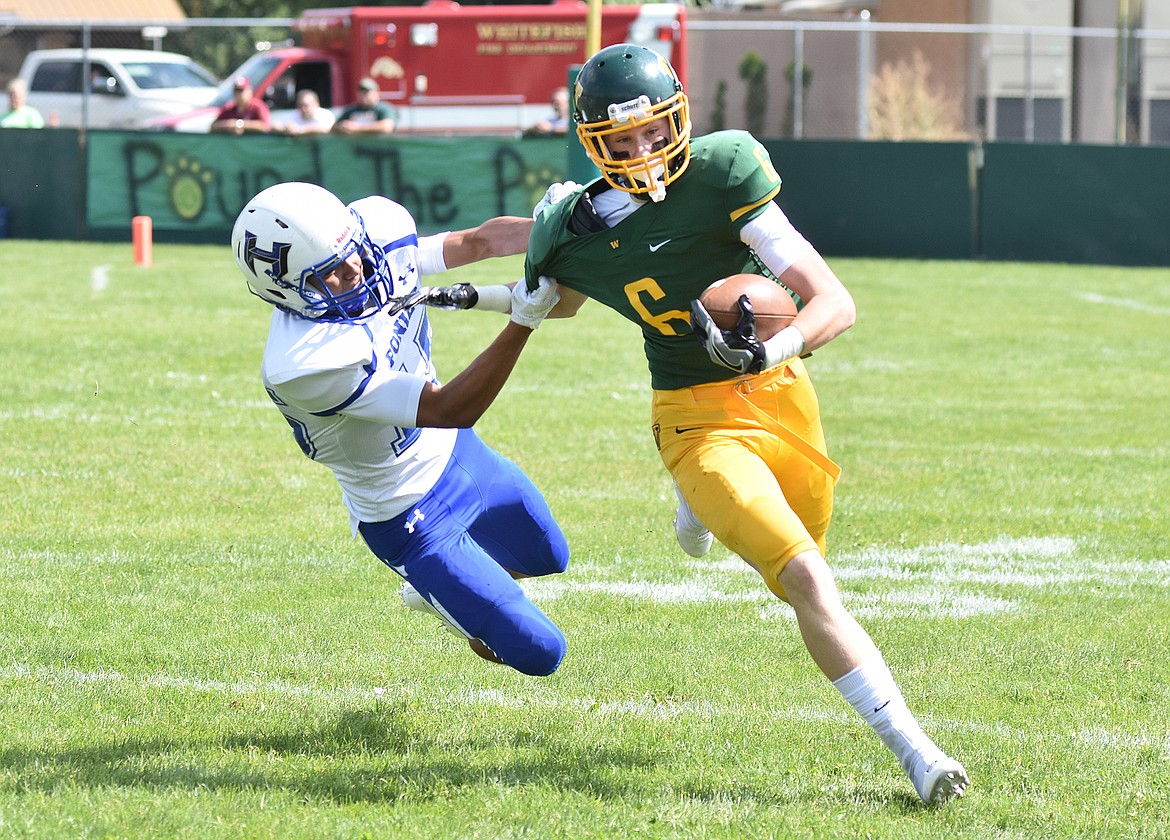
(291, 235)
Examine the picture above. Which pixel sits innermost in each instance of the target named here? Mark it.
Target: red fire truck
(448, 68)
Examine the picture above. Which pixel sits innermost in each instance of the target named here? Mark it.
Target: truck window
(102, 81)
(256, 69)
(282, 94)
(315, 75)
(311, 75)
(168, 74)
(57, 77)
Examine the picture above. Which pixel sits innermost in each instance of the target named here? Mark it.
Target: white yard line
(647, 708)
(944, 580)
(1093, 297)
(930, 578)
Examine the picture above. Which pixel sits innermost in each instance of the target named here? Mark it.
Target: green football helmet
(622, 87)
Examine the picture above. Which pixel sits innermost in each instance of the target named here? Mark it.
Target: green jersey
(652, 264)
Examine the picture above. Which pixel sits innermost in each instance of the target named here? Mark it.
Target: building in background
(1091, 71)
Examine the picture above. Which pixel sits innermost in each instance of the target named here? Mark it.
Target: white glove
(529, 308)
(554, 194)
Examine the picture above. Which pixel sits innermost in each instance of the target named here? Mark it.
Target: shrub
(753, 70)
(905, 105)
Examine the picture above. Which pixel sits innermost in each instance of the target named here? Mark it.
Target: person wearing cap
(245, 114)
(369, 115)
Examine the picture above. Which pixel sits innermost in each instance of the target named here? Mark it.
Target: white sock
(870, 689)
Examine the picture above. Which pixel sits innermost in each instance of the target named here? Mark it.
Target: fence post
(864, 59)
(798, 83)
(1029, 88)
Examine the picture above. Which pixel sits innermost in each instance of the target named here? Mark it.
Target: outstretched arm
(463, 400)
(496, 298)
(502, 236)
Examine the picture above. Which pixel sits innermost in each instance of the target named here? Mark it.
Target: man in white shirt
(310, 117)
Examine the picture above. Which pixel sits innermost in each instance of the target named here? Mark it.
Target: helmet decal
(635, 109)
(277, 258)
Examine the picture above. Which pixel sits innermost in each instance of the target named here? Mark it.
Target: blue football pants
(483, 519)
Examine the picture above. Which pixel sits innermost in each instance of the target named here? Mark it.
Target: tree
(719, 111)
(753, 70)
(222, 50)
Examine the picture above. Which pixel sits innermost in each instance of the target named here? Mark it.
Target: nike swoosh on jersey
(654, 248)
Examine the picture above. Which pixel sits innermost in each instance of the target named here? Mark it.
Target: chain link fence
(811, 79)
(890, 81)
(219, 44)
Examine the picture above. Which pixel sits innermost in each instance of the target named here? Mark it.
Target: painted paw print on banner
(537, 181)
(187, 187)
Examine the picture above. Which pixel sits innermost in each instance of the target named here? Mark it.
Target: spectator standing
(20, 113)
(369, 115)
(310, 117)
(247, 113)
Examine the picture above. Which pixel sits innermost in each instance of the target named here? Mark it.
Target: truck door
(382, 52)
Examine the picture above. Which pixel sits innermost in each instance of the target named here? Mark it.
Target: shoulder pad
(305, 348)
(385, 220)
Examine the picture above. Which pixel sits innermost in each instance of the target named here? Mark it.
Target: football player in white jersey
(348, 364)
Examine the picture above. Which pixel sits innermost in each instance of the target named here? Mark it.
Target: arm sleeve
(774, 239)
(430, 253)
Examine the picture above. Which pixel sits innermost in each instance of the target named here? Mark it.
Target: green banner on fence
(197, 184)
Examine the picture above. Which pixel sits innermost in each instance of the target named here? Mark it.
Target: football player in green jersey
(735, 419)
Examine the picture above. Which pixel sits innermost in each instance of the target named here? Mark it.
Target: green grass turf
(193, 646)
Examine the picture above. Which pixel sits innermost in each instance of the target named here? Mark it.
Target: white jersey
(351, 391)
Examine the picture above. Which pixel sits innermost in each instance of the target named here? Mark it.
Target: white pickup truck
(122, 90)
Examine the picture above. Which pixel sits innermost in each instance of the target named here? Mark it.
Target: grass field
(192, 645)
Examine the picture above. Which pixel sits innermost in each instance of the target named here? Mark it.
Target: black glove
(459, 296)
(740, 348)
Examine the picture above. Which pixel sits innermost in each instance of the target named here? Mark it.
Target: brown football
(772, 304)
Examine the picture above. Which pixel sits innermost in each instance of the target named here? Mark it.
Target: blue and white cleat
(412, 600)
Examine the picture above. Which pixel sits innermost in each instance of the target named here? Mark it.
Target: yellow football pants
(749, 457)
